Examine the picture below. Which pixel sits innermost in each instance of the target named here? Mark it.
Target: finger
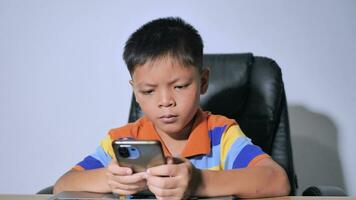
(130, 179)
(170, 160)
(123, 192)
(160, 192)
(163, 170)
(168, 198)
(114, 168)
(132, 187)
(162, 182)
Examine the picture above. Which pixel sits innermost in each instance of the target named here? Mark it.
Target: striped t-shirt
(215, 143)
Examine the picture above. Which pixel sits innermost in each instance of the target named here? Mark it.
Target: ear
(204, 80)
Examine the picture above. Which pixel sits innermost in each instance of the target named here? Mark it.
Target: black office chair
(250, 90)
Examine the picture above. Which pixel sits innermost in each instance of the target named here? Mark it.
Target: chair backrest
(250, 90)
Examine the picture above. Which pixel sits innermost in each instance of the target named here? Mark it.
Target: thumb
(170, 160)
(176, 160)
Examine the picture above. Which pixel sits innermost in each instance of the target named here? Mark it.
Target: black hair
(170, 36)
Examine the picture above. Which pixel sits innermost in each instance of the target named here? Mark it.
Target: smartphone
(138, 154)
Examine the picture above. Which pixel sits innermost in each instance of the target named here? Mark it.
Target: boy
(208, 155)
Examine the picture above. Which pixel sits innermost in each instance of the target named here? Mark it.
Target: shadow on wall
(315, 148)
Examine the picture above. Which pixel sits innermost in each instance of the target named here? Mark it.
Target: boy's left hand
(175, 180)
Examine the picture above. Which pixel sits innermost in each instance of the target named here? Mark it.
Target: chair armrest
(47, 190)
(323, 190)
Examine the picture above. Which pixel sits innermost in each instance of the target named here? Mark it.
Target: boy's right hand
(122, 181)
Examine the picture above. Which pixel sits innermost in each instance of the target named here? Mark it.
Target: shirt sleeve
(99, 159)
(237, 150)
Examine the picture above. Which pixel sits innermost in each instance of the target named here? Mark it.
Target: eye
(179, 87)
(146, 92)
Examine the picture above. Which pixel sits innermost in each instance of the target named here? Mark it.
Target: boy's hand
(122, 181)
(175, 180)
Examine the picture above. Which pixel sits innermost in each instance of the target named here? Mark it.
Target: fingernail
(128, 171)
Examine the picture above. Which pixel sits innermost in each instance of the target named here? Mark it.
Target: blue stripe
(234, 150)
(215, 134)
(102, 156)
(248, 153)
(207, 161)
(90, 163)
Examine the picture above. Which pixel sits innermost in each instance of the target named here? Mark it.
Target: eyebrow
(186, 79)
(170, 82)
(146, 84)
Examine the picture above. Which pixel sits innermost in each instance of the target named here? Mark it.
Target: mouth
(168, 119)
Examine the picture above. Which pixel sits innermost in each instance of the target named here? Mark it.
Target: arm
(120, 180)
(89, 180)
(265, 179)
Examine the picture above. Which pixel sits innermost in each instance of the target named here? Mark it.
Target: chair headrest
(223, 92)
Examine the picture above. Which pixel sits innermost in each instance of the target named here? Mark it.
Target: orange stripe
(219, 120)
(257, 158)
(78, 168)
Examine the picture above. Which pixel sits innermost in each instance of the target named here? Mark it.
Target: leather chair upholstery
(250, 90)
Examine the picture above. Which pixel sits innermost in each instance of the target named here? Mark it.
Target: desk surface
(45, 197)
(24, 197)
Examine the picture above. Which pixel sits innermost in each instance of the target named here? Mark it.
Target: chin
(172, 130)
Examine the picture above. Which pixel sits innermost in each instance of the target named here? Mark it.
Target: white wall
(63, 83)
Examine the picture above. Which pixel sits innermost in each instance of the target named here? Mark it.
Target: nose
(166, 99)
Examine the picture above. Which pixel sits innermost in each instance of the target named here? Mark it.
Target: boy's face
(168, 93)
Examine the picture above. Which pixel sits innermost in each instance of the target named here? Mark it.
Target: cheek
(196, 92)
(191, 97)
(145, 102)
(138, 99)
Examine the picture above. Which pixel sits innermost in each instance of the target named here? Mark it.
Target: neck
(176, 143)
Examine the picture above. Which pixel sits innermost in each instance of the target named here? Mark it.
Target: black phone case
(150, 154)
